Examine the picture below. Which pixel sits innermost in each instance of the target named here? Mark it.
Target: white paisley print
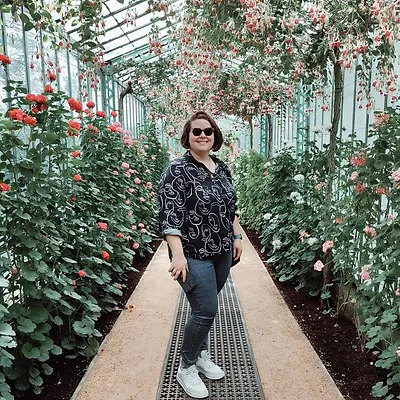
(197, 205)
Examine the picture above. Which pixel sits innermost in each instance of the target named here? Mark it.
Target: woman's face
(201, 143)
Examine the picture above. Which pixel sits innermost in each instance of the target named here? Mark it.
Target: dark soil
(335, 340)
(68, 372)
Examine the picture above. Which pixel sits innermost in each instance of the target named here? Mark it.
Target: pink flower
(319, 265)
(134, 227)
(327, 245)
(127, 173)
(130, 213)
(148, 171)
(354, 176)
(82, 273)
(396, 175)
(149, 185)
(369, 230)
(365, 276)
(143, 230)
(143, 137)
(140, 225)
(142, 199)
(137, 181)
(398, 352)
(131, 190)
(391, 216)
(303, 235)
(128, 141)
(319, 186)
(135, 245)
(381, 190)
(102, 225)
(120, 235)
(360, 187)
(132, 171)
(115, 172)
(127, 202)
(397, 292)
(125, 165)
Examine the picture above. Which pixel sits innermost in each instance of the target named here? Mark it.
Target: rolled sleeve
(172, 201)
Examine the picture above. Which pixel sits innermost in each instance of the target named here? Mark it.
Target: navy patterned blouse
(197, 205)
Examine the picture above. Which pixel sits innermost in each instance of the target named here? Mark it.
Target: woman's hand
(237, 249)
(178, 267)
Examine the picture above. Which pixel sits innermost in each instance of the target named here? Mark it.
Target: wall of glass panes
(356, 118)
(32, 54)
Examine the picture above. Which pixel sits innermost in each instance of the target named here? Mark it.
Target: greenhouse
(199, 199)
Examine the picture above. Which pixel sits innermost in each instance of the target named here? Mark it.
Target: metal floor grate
(233, 355)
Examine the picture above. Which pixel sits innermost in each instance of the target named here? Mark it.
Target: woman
(197, 218)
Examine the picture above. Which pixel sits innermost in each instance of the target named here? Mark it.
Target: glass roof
(127, 27)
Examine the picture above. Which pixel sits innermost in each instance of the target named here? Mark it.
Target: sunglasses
(198, 131)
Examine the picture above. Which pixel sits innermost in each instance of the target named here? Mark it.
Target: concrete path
(130, 361)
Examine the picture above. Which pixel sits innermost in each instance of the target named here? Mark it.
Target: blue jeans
(210, 275)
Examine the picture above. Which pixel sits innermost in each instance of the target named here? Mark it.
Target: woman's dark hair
(202, 115)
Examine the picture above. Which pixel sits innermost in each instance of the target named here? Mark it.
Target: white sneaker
(207, 367)
(191, 383)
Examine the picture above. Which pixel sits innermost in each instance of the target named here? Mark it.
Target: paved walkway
(130, 361)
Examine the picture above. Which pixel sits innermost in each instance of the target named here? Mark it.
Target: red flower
(48, 89)
(101, 114)
(77, 177)
(15, 271)
(16, 114)
(5, 59)
(31, 121)
(114, 113)
(81, 273)
(93, 129)
(91, 104)
(75, 105)
(31, 97)
(4, 187)
(102, 225)
(105, 255)
(51, 75)
(76, 154)
(73, 198)
(120, 235)
(119, 286)
(74, 125)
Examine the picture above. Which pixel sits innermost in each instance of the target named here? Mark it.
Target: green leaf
(38, 381)
(6, 329)
(52, 294)
(25, 325)
(47, 369)
(29, 242)
(28, 273)
(39, 314)
(69, 260)
(4, 282)
(57, 320)
(35, 254)
(7, 341)
(56, 350)
(30, 352)
(6, 359)
(23, 215)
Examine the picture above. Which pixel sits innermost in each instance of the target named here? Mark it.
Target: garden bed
(69, 372)
(335, 340)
